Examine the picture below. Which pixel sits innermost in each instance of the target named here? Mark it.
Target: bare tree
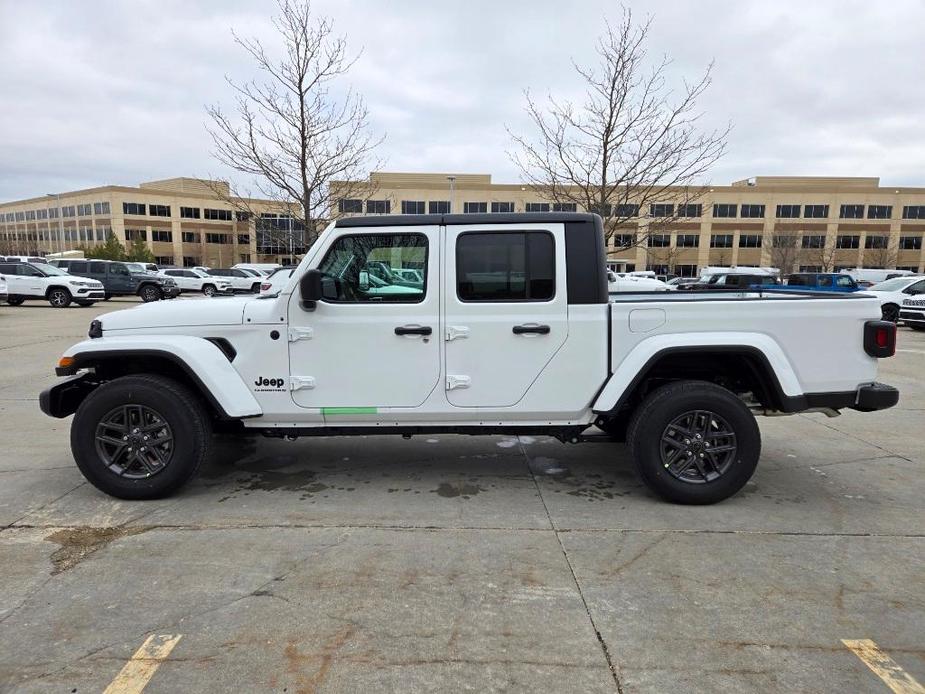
(880, 256)
(289, 132)
(785, 246)
(821, 256)
(632, 143)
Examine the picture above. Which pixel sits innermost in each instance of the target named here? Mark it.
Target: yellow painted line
(138, 671)
(884, 667)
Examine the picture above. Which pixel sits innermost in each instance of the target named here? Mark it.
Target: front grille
(914, 302)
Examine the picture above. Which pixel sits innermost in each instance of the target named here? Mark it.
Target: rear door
(506, 311)
(373, 341)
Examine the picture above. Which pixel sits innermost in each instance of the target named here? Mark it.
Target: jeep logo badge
(263, 384)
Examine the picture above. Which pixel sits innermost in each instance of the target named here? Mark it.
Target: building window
(159, 210)
(102, 233)
(475, 207)
(506, 266)
(564, 207)
(848, 242)
(661, 209)
(216, 238)
(412, 207)
(690, 210)
(135, 208)
(245, 257)
(244, 239)
(788, 211)
(66, 211)
(84, 210)
(220, 215)
(752, 211)
(852, 212)
(816, 211)
(879, 211)
(41, 214)
(624, 240)
(439, 207)
(721, 241)
(814, 241)
(350, 206)
(605, 211)
(161, 235)
(725, 210)
(189, 212)
(914, 212)
(659, 269)
(30, 215)
(686, 270)
(688, 241)
(626, 210)
(876, 242)
(190, 261)
(378, 206)
(101, 208)
(242, 216)
(163, 260)
(190, 237)
(659, 240)
(133, 234)
(501, 207)
(750, 241)
(536, 207)
(910, 243)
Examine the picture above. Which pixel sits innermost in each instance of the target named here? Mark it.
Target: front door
(506, 310)
(373, 341)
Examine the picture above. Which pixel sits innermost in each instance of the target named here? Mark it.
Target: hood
(147, 275)
(175, 314)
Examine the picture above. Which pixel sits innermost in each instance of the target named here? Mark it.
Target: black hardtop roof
(450, 219)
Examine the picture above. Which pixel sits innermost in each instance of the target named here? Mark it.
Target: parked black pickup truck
(119, 280)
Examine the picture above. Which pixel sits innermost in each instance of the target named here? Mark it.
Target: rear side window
(506, 266)
(77, 266)
(825, 281)
(97, 268)
(797, 280)
(844, 281)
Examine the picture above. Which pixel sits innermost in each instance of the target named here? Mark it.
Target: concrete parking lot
(449, 563)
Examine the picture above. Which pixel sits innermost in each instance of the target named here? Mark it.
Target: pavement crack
(597, 632)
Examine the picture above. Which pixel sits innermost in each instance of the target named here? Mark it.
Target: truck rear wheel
(694, 442)
(140, 437)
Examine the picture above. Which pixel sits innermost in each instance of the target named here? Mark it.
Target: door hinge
(454, 331)
(296, 334)
(453, 382)
(301, 382)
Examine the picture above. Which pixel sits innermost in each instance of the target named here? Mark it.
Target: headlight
(78, 283)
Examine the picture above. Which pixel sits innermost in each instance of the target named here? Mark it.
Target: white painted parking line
(882, 665)
(912, 351)
(138, 671)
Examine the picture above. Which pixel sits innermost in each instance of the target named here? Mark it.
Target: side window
(825, 281)
(366, 267)
(506, 266)
(118, 269)
(97, 268)
(7, 269)
(917, 288)
(77, 266)
(844, 281)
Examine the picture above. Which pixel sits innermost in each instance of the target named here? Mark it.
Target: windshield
(200, 273)
(893, 285)
(52, 270)
(136, 267)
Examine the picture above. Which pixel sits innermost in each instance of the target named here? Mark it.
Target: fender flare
(634, 367)
(207, 366)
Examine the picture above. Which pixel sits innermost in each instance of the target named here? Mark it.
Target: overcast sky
(105, 92)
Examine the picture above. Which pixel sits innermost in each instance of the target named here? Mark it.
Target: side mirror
(364, 280)
(310, 289)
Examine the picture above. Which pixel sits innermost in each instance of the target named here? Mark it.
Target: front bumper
(171, 292)
(89, 293)
(64, 397)
(912, 315)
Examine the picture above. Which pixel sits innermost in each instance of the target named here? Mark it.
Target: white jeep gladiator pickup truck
(506, 328)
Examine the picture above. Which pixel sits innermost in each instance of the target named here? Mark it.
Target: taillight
(265, 286)
(880, 338)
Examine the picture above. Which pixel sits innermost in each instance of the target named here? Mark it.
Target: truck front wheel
(694, 442)
(140, 437)
(150, 293)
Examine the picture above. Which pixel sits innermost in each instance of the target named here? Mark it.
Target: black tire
(107, 297)
(59, 297)
(255, 287)
(15, 300)
(916, 327)
(208, 289)
(85, 303)
(150, 293)
(181, 415)
(708, 477)
(890, 312)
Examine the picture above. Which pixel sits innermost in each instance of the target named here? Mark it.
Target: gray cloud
(114, 92)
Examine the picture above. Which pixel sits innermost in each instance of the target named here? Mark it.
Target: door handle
(413, 330)
(531, 329)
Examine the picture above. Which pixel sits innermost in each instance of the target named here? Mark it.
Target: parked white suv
(239, 280)
(192, 280)
(30, 281)
(2, 288)
(894, 291)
